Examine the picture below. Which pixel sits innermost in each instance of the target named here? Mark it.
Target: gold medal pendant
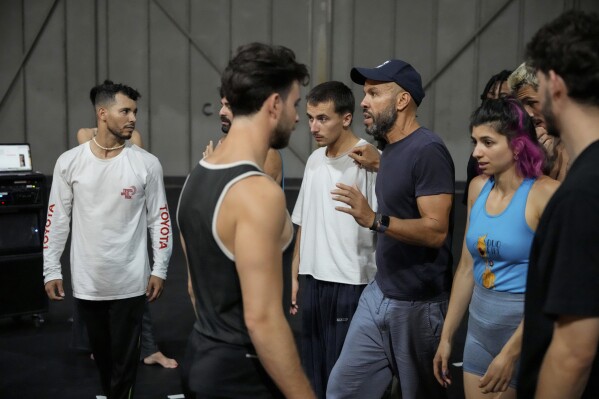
(488, 278)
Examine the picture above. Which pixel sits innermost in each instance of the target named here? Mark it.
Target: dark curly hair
(255, 72)
(494, 81)
(105, 92)
(569, 45)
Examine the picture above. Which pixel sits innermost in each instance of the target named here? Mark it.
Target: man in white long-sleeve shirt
(113, 191)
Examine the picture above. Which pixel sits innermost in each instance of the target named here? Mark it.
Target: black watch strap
(375, 222)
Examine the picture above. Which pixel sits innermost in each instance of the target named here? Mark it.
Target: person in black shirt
(561, 313)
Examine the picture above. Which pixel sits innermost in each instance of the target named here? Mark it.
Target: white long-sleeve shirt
(112, 203)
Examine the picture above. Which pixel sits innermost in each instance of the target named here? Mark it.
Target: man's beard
(282, 134)
(382, 123)
(550, 123)
(120, 134)
(225, 127)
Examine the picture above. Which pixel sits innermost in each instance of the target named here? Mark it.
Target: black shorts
(213, 369)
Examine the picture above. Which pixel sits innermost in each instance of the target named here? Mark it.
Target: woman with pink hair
(505, 203)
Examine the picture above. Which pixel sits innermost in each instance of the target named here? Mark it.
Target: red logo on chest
(129, 192)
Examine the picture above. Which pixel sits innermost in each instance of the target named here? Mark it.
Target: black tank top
(213, 273)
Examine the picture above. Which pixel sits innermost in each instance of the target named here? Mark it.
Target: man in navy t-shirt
(397, 325)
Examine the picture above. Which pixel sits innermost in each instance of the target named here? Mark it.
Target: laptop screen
(15, 158)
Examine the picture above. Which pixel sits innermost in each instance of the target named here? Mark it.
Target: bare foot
(159, 358)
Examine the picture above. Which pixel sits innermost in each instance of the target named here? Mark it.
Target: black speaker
(24, 291)
(22, 221)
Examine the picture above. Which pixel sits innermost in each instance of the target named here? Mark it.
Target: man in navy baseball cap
(397, 71)
(414, 191)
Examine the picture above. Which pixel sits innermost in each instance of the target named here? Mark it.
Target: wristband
(375, 222)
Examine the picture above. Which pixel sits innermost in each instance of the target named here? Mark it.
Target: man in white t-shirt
(113, 192)
(334, 255)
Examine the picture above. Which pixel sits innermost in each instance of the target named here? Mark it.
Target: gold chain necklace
(108, 148)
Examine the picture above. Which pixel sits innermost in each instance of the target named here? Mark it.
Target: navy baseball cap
(397, 71)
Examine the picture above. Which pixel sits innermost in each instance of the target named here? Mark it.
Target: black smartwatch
(383, 223)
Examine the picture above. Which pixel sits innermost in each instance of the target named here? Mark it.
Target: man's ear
(274, 105)
(557, 86)
(101, 113)
(347, 118)
(403, 100)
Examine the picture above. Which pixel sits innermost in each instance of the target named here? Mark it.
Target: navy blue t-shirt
(418, 165)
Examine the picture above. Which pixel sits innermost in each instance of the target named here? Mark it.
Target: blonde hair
(524, 75)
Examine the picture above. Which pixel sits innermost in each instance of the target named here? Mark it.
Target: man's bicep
(577, 334)
(436, 208)
(257, 248)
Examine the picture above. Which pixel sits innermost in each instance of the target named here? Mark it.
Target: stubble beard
(550, 123)
(382, 123)
(225, 128)
(120, 134)
(281, 135)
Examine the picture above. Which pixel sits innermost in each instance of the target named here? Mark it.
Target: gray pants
(387, 337)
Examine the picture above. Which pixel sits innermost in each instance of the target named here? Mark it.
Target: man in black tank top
(234, 225)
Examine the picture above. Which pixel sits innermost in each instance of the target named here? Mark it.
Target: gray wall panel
(45, 84)
(342, 50)
(12, 113)
(80, 66)
(498, 45)
(128, 56)
(204, 97)
(538, 12)
(374, 42)
(169, 88)
(210, 25)
(173, 52)
(453, 109)
(291, 28)
(416, 38)
(374, 37)
(102, 34)
(11, 32)
(251, 21)
(211, 30)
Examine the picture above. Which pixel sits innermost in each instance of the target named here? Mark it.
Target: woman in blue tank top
(505, 203)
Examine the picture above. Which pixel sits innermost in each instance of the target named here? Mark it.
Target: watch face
(385, 220)
(383, 223)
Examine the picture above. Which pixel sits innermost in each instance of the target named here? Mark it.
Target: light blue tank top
(500, 244)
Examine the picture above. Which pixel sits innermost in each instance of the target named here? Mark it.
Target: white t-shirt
(333, 247)
(112, 203)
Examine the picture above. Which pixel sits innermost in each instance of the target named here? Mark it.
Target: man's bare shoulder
(256, 191)
(545, 186)
(273, 165)
(85, 134)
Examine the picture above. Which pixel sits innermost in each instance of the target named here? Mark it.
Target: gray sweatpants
(387, 337)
